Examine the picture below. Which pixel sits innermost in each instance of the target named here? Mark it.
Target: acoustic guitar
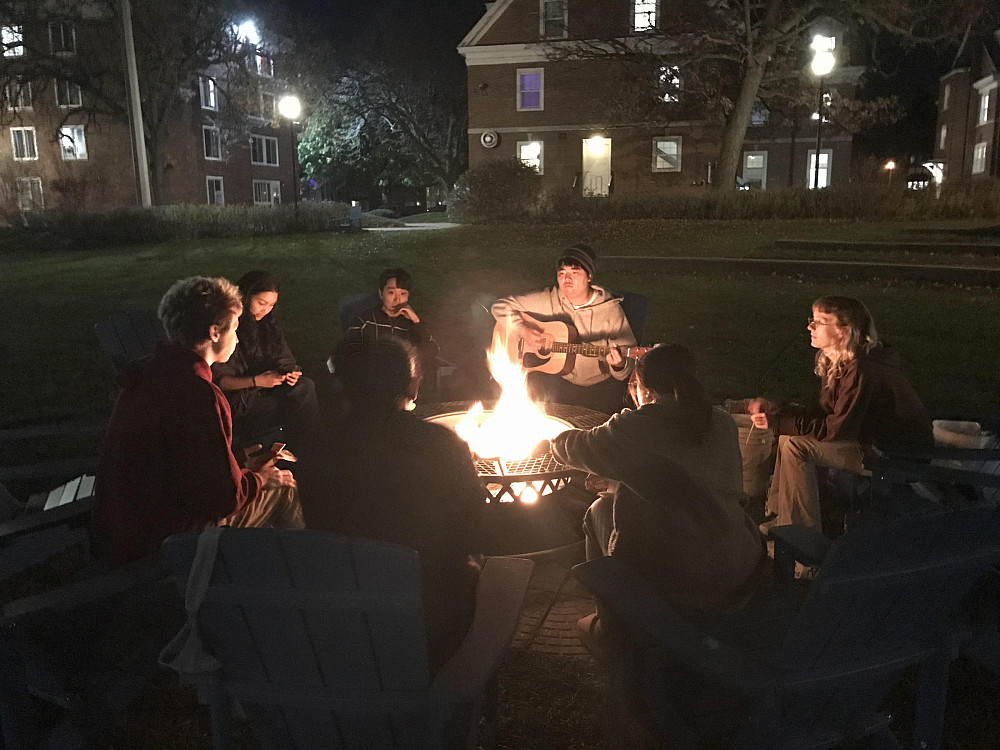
(560, 347)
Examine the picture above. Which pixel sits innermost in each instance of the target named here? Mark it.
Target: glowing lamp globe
(290, 107)
(822, 63)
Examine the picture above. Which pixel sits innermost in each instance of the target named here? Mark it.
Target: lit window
(267, 105)
(979, 158)
(755, 169)
(23, 144)
(667, 154)
(216, 192)
(530, 153)
(264, 150)
(209, 93)
(266, 192)
(72, 142)
(645, 15)
(825, 159)
(530, 89)
(29, 194)
(62, 38)
(213, 142)
(12, 38)
(943, 140)
(264, 65)
(68, 94)
(984, 107)
(760, 114)
(945, 96)
(555, 19)
(17, 94)
(670, 83)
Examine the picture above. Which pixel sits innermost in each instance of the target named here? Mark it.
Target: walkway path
(412, 227)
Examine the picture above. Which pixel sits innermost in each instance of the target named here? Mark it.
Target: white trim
(945, 97)
(983, 114)
(204, 149)
(208, 190)
(533, 53)
(34, 142)
(979, 153)
(811, 173)
(952, 72)
(18, 90)
(202, 81)
(986, 83)
(265, 139)
(504, 54)
(78, 153)
(656, 151)
(541, 19)
(274, 190)
(541, 152)
(541, 88)
(72, 31)
(69, 85)
(656, 16)
(943, 137)
(41, 194)
(493, 12)
(591, 126)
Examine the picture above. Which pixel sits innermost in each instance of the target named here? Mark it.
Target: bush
(134, 226)
(384, 213)
(497, 190)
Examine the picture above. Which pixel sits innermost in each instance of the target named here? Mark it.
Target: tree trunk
(157, 168)
(735, 130)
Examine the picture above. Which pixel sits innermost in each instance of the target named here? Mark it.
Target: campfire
(502, 437)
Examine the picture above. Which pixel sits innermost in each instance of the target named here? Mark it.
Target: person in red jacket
(166, 462)
(864, 401)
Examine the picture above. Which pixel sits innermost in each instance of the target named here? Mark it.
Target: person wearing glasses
(864, 401)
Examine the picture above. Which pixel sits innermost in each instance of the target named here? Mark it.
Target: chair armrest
(75, 512)
(499, 596)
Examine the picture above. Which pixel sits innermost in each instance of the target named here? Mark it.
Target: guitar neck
(597, 350)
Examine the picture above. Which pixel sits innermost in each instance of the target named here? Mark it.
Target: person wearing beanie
(596, 316)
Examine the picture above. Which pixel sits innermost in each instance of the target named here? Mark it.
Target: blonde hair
(192, 306)
(861, 338)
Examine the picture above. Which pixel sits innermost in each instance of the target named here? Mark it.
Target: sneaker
(591, 635)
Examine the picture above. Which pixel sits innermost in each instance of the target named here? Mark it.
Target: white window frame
(541, 89)
(12, 38)
(945, 97)
(263, 64)
(217, 140)
(645, 15)
(979, 158)
(540, 167)
(263, 140)
(273, 189)
(28, 137)
(984, 107)
(811, 163)
(943, 137)
(543, 7)
(15, 94)
(62, 26)
(73, 143)
(70, 88)
(208, 90)
(763, 169)
(656, 153)
(210, 194)
(30, 182)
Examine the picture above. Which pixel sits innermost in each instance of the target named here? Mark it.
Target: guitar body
(545, 359)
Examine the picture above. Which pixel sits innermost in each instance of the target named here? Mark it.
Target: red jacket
(166, 462)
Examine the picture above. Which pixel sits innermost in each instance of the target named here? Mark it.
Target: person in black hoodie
(864, 401)
(264, 385)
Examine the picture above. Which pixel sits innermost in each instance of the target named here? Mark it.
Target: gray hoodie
(600, 321)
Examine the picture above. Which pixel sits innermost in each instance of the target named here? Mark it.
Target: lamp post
(889, 166)
(822, 63)
(290, 108)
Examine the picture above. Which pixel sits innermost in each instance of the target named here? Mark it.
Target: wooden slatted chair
(810, 675)
(129, 335)
(321, 639)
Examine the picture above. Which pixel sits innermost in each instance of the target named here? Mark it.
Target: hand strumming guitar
(614, 357)
(533, 339)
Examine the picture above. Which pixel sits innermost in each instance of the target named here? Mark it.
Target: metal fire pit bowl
(539, 475)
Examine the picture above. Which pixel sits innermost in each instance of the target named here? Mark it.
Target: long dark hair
(667, 371)
(258, 338)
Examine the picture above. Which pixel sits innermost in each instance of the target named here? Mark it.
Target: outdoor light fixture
(290, 108)
(247, 32)
(822, 64)
(890, 165)
(595, 144)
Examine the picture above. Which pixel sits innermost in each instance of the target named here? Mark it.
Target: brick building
(967, 135)
(61, 151)
(555, 112)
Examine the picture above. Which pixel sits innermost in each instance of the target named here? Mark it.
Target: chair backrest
(352, 305)
(883, 591)
(129, 335)
(635, 306)
(321, 637)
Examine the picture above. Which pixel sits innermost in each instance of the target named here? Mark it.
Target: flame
(516, 425)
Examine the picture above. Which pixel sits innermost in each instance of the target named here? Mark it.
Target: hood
(169, 358)
(883, 355)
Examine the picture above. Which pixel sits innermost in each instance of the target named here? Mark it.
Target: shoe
(591, 635)
(806, 572)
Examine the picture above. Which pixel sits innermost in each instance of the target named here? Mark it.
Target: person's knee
(798, 447)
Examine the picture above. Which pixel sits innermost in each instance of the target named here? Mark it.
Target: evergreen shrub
(497, 190)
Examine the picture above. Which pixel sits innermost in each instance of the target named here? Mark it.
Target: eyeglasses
(816, 322)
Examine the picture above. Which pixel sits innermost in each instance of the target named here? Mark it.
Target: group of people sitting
(672, 503)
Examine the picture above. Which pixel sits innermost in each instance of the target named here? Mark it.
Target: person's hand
(255, 458)
(755, 408)
(615, 358)
(269, 379)
(293, 377)
(533, 339)
(407, 312)
(275, 477)
(595, 483)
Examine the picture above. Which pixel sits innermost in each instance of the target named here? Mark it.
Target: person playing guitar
(573, 338)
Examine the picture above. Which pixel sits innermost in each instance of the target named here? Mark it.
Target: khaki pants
(794, 492)
(274, 507)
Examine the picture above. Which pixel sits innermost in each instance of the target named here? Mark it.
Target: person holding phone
(262, 381)
(166, 463)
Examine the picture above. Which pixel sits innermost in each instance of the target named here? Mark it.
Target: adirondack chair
(635, 306)
(809, 675)
(129, 335)
(321, 640)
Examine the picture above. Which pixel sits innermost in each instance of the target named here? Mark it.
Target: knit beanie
(579, 255)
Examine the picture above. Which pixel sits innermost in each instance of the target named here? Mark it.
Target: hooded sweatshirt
(871, 402)
(166, 464)
(600, 321)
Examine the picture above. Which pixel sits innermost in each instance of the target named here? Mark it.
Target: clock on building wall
(489, 138)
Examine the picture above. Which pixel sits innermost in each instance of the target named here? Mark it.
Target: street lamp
(889, 166)
(822, 63)
(290, 108)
